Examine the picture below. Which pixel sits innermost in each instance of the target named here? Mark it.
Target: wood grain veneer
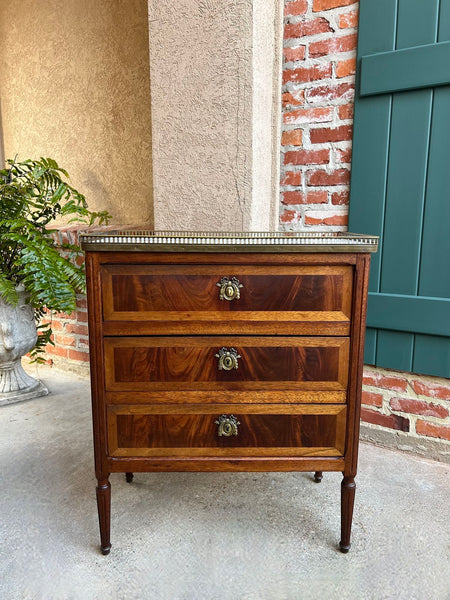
(144, 288)
(190, 363)
(274, 430)
(298, 300)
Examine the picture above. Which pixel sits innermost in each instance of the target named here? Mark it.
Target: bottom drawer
(226, 430)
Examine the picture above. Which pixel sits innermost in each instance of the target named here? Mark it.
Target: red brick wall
(320, 38)
(415, 404)
(70, 334)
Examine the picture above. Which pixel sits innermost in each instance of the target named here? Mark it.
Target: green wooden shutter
(400, 186)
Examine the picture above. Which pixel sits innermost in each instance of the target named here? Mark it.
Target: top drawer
(227, 298)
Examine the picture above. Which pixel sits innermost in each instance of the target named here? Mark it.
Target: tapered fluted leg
(318, 476)
(348, 488)
(129, 476)
(104, 513)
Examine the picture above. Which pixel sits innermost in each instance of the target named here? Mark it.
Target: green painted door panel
(400, 187)
(417, 23)
(372, 121)
(431, 355)
(395, 350)
(412, 68)
(444, 21)
(408, 151)
(399, 312)
(377, 31)
(371, 346)
(377, 26)
(435, 257)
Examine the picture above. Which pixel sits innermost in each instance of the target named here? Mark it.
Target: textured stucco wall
(74, 85)
(202, 86)
(266, 118)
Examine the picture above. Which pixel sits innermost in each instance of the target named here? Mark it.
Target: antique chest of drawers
(226, 352)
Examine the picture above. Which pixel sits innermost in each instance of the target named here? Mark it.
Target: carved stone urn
(17, 337)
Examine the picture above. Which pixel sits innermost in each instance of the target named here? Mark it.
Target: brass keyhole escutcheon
(227, 425)
(228, 359)
(229, 288)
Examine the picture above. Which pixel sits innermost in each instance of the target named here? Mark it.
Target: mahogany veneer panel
(300, 298)
(146, 288)
(274, 431)
(190, 363)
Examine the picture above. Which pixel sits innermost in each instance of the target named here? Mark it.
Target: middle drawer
(226, 363)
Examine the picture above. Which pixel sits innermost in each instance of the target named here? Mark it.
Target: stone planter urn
(17, 337)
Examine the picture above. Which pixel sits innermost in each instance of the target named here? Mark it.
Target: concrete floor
(199, 536)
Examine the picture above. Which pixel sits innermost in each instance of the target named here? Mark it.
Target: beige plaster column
(74, 85)
(215, 80)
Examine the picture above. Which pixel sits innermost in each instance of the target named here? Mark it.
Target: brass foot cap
(344, 549)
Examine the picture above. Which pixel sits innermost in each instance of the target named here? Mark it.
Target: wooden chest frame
(146, 422)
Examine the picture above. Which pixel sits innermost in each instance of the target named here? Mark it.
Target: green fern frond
(44, 338)
(33, 193)
(8, 290)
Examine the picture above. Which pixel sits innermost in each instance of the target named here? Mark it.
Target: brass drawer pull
(227, 425)
(228, 359)
(229, 288)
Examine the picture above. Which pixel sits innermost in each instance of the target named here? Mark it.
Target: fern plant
(33, 193)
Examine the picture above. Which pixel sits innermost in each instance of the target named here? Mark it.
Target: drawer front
(226, 363)
(303, 297)
(301, 430)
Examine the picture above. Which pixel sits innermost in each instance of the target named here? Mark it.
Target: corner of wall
(266, 113)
